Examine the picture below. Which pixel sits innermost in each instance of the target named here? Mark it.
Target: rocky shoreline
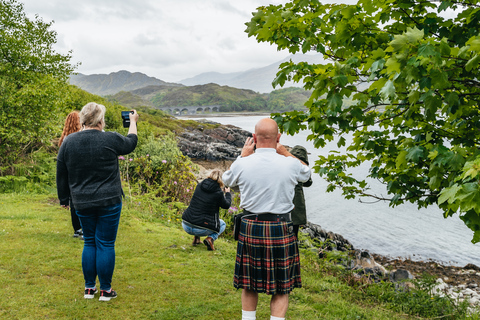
(459, 283)
(218, 144)
(217, 148)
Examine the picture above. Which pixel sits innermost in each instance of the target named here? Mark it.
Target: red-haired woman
(72, 124)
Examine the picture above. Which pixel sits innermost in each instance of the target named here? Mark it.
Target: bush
(159, 168)
(36, 173)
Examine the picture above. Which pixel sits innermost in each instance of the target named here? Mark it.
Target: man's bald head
(266, 133)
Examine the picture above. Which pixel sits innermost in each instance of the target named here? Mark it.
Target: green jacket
(299, 213)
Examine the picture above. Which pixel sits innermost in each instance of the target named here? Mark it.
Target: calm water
(403, 231)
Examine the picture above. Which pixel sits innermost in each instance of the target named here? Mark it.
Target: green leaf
(468, 195)
(448, 194)
(377, 85)
(435, 182)
(414, 34)
(472, 63)
(398, 43)
(280, 79)
(415, 154)
(334, 101)
(426, 50)
(340, 80)
(472, 220)
(401, 160)
(425, 82)
(388, 90)
(452, 99)
(474, 44)
(377, 65)
(393, 66)
(444, 6)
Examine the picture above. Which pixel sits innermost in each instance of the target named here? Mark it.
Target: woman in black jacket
(88, 177)
(201, 218)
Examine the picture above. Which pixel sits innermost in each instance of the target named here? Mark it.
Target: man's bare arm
(284, 152)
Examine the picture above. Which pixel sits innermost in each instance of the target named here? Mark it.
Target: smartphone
(126, 118)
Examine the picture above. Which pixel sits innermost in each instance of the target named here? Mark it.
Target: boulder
(400, 275)
(471, 266)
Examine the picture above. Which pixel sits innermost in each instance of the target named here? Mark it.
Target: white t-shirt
(266, 180)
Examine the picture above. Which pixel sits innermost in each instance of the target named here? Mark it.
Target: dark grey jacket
(87, 168)
(203, 210)
(299, 213)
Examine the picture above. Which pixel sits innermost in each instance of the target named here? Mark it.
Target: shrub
(158, 167)
(35, 173)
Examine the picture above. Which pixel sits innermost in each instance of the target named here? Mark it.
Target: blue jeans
(99, 225)
(204, 232)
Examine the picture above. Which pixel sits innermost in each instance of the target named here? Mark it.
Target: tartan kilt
(267, 258)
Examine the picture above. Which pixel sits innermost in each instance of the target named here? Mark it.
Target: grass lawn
(158, 273)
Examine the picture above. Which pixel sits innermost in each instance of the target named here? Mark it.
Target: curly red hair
(72, 124)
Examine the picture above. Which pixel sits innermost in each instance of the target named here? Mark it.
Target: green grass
(158, 273)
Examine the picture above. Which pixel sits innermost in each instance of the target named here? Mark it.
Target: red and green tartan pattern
(267, 258)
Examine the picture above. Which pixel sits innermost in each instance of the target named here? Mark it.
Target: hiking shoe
(107, 295)
(90, 293)
(209, 243)
(196, 240)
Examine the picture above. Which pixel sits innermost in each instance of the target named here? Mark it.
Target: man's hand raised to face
(248, 147)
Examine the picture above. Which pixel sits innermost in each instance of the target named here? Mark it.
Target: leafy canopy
(402, 79)
(32, 81)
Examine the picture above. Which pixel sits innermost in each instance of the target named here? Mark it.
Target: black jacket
(87, 168)
(203, 211)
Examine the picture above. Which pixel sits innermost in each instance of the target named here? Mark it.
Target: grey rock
(221, 143)
(400, 275)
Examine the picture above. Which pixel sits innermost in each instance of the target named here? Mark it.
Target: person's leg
(249, 300)
(196, 240)
(279, 305)
(105, 236)
(215, 235)
(88, 219)
(195, 231)
(198, 232)
(188, 229)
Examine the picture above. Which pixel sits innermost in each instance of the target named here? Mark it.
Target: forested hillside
(229, 99)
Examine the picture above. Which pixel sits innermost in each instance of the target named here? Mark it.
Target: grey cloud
(90, 9)
(148, 40)
(227, 43)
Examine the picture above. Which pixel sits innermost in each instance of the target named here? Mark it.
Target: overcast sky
(167, 39)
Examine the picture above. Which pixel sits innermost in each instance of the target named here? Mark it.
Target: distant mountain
(107, 84)
(258, 80)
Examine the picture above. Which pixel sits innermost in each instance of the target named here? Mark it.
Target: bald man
(267, 252)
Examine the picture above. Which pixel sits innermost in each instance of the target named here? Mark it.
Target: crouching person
(201, 218)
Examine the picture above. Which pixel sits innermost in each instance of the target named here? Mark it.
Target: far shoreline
(222, 114)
